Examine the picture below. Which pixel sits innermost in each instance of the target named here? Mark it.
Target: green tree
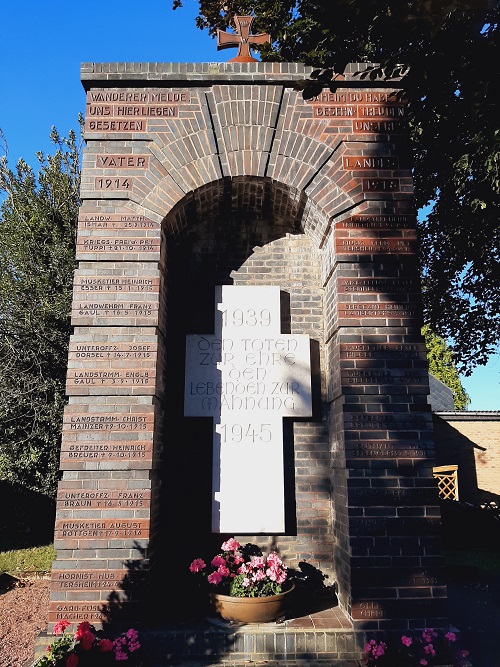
(442, 365)
(38, 219)
(448, 56)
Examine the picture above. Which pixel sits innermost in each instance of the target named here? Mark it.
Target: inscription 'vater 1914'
(248, 376)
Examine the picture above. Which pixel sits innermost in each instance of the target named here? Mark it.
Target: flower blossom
(450, 636)
(231, 545)
(197, 565)
(214, 578)
(407, 641)
(61, 626)
(218, 560)
(86, 640)
(429, 649)
(105, 645)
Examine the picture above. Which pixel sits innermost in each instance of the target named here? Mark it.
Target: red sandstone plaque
(364, 162)
(124, 221)
(389, 421)
(379, 310)
(92, 245)
(389, 449)
(119, 161)
(91, 499)
(88, 378)
(380, 184)
(377, 127)
(87, 580)
(355, 97)
(377, 286)
(114, 313)
(95, 612)
(375, 222)
(382, 351)
(84, 285)
(136, 97)
(374, 246)
(101, 529)
(115, 351)
(381, 376)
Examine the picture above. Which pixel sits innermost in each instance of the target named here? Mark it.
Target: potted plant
(90, 648)
(425, 648)
(245, 585)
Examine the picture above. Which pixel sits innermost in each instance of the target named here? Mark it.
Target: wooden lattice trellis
(447, 479)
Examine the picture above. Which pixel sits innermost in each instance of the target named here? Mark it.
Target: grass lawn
(34, 559)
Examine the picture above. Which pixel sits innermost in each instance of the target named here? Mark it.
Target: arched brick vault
(248, 230)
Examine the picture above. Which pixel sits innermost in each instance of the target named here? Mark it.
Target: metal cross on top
(243, 39)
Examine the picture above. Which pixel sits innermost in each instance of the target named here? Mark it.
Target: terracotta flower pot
(251, 610)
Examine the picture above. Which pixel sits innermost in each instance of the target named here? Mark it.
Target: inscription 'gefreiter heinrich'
(248, 376)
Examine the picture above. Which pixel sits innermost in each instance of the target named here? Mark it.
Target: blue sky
(43, 45)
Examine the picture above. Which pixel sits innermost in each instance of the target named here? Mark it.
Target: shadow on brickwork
(26, 518)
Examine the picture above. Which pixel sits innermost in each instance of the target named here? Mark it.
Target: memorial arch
(199, 175)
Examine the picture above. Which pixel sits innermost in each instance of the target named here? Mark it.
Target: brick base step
(324, 638)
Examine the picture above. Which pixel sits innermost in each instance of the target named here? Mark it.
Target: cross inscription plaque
(243, 39)
(247, 377)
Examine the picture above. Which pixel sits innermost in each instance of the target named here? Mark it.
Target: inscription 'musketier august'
(248, 376)
(100, 529)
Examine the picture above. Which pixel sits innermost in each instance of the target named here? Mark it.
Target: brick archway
(172, 152)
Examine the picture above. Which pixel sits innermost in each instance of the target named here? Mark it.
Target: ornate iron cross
(243, 39)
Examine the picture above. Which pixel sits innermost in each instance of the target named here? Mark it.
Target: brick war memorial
(246, 358)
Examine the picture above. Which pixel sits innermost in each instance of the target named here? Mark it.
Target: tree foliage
(442, 365)
(38, 218)
(447, 53)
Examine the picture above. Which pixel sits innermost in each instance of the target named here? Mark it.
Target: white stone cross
(248, 376)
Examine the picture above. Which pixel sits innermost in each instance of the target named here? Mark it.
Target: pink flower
(223, 571)
(197, 565)
(246, 582)
(407, 641)
(218, 560)
(214, 578)
(120, 655)
(105, 645)
(231, 545)
(429, 649)
(60, 627)
(428, 634)
(450, 636)
(72, 660)
(423, 662)
(257, 561)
